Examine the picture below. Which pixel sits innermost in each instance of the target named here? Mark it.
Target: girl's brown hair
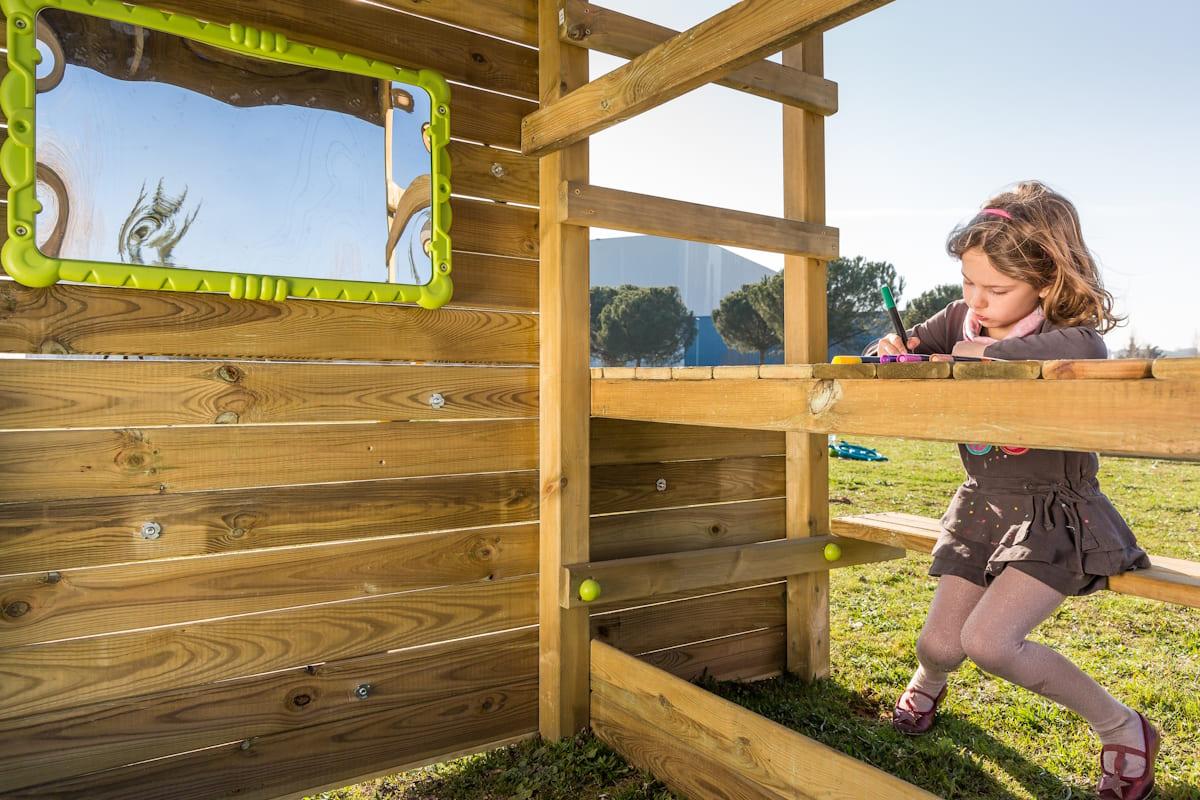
(1042, 245)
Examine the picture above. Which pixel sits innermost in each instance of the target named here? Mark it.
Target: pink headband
(997, 212)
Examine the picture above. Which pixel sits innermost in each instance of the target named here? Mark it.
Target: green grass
(994, 740)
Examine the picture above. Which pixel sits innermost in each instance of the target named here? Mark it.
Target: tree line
(651, 325)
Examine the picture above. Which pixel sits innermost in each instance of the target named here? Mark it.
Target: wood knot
(229, 374)
(53, 347)
(716, 529)
(17, 608)
(300, 699)
(227, 418)
(824, 396)
(479, 58)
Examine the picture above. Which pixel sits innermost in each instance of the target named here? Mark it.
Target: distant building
(703, 273)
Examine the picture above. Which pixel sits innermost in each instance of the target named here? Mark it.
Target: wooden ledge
(1171, 580)
(645, 577)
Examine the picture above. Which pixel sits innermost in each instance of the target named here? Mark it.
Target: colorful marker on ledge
(890, 302)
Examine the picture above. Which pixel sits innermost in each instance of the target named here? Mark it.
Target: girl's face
(998, 300)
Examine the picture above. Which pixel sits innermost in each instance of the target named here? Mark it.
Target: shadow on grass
(947, 761)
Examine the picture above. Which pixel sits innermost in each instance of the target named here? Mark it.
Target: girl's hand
(890, 345)
(969, 349)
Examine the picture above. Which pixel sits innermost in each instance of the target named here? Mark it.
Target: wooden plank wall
(324, 533)
(343, 580)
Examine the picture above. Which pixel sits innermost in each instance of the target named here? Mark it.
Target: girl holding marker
(1028, 527)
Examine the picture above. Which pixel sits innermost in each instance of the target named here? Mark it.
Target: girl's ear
(1043, 292)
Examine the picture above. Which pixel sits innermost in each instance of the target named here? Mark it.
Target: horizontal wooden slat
(482, 281)
(498, 229)
(677, 530)
(370, 30)
(617, 34)
(493, 174)
(1176, 368)
(101, 600)
(600, 207)
(1092, 369)
(633, 487)
(627, 442)
(669, 726)
(77, 319)
(58, 675)
(646, 577)
(1134, 417)
(487, 117)
(645, 628)
(1009, 370)
(379, 738)
(1171, 580)
(61, 535)
(742, 657)
(740, 35)
(56, 393)
(921, 370)
(508, 19)
(82, 739)
(49, 465)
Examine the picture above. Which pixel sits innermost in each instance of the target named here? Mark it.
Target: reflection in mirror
(156, 149)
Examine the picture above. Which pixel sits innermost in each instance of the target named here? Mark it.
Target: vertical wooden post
(805, 342)
(565, 404)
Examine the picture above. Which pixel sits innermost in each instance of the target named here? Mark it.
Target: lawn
(994, 740)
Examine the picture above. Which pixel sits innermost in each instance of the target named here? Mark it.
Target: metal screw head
(20, 230)
(661, 484)
(362, 691)
(151, 530)
(20, 23)
(497, 169)
(436, 400)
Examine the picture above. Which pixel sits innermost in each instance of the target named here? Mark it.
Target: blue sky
(943, 103)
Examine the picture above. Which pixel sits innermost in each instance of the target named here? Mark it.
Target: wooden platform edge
(668, 726)
(1169, 580)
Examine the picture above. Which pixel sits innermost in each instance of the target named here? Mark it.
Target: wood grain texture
(1176, 368)
(646, 628)
(666, 724)
(370, 30)
(1170, 580)
(645, 578)
(997, 370)
(625, 442)
(617, 34)
(76, 319)
(1094, 369)
(920, 370)
(1142, 417)
(67, 534)
(742, 657)
(74, 741)
(564, 443)
(487, 117)
(59, 393)
(102, 600)
(634, 487)
(507, 19)
(738, 36)
(481, 281)
(481, 226)
(492, 173)
(59, 675)
(679, 530)
(50, 465)
(615, 209)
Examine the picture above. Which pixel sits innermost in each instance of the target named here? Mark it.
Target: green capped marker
(890, 302)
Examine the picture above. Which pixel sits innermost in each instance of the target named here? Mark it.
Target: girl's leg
(939, 648)
(994, 638)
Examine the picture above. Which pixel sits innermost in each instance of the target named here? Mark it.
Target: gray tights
(989, 626)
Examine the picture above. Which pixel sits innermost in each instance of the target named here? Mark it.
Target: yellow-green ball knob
(832, 552)
(589, 590)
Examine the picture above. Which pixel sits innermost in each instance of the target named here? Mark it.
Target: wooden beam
(564, 452)
(1138, 417)
(805, 341)
(598, 207)
(740, 35)
(1177, 368)
(617, 34)
(1096, 368)
(644, 577)
(1170, 580)
(702, 745)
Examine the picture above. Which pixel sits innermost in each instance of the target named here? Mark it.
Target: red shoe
(1114, 785)
(908, 720)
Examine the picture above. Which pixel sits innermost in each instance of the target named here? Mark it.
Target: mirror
(212, 157)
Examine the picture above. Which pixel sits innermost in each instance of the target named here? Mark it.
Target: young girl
(1028, 527)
